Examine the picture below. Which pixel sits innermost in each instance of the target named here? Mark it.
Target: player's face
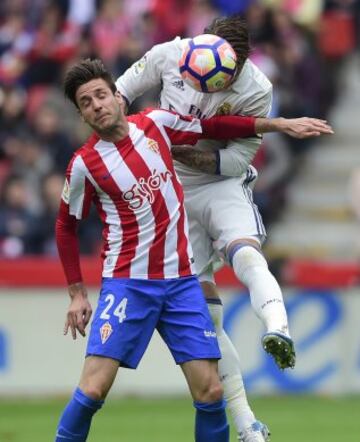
(99, 107)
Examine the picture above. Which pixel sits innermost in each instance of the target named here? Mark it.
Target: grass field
(291, 419)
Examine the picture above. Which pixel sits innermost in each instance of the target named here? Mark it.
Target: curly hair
(83, 72)
(234, 30)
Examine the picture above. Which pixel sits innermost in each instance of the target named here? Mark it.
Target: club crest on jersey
(144, 189)
(153, 145)
(139, 66)
(224, 109)
(105, 332)
(65, 195)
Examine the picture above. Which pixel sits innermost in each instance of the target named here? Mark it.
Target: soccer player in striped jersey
(125, 168)
(222, 216)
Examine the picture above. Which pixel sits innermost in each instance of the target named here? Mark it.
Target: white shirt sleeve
(239, 153)
(144, 74)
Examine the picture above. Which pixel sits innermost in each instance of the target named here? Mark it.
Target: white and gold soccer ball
(208, 63)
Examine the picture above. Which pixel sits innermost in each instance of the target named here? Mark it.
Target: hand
(79, 312)
(304, 127)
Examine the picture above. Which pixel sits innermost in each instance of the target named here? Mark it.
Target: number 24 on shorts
(119, 311)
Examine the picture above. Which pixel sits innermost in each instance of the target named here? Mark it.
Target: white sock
(266, 298)
(230, 375)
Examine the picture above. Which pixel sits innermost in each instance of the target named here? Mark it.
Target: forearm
(226, 127)
(264, 125)
(206, 162)
(234, 161)
(68, 249)
(300, 128)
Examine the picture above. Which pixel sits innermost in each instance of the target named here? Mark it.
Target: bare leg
(97, 377)
(205, 387)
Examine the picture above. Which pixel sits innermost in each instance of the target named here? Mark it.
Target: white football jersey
(250, 94)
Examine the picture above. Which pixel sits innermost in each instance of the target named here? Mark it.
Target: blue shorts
(129, 310)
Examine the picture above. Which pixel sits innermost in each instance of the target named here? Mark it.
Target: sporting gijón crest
(105, 332)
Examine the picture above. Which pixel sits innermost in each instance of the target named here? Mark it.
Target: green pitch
(291, 419)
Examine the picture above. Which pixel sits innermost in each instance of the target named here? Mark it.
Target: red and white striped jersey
(138, 196)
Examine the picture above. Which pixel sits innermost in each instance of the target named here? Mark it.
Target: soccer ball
(208, 63)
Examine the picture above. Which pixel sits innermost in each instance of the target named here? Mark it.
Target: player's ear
(119, 97)
(77, 107)
(121, 101)
(80, 115)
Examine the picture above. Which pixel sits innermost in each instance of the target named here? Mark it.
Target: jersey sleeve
(78, 191)
(188, 130)
(143, 75)
(240, 152)
(74, 205)
(177, 128)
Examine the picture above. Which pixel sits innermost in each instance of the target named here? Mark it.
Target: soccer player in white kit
(222, 215)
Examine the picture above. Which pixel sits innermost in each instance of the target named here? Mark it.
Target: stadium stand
(291, 42)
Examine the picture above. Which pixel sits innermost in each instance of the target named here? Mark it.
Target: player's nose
(97, 104)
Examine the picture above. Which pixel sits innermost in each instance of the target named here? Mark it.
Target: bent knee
(247, 255)
(209, 392)
(97, 376)
(209, 290)
(237, 245)
(95, 392)
(250, 241)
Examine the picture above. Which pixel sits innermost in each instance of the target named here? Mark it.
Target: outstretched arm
(295, 127)
(209, 161)
(233, 126)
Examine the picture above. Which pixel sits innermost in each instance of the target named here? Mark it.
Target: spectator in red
(111, 32)
(202, 13)
(55, 43)
(172, 17)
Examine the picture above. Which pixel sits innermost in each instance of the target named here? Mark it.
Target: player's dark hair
(83, 72)
(234, 30)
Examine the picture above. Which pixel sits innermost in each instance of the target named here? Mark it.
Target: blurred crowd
(299, 44)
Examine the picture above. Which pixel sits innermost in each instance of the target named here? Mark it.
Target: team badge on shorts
(105, 332)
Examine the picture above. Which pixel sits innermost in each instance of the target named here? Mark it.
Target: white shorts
(220, 213)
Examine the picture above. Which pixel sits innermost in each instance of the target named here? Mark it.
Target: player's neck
(117, 133)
